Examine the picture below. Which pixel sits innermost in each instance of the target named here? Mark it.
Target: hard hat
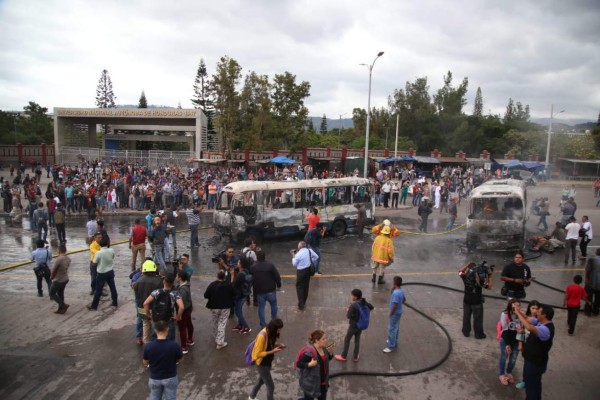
(386, 230)
(148, 266)
(387, 222)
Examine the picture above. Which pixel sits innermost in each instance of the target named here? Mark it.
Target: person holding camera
(516, 276)
(473, 297)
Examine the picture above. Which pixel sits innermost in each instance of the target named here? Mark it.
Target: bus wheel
(338, 228)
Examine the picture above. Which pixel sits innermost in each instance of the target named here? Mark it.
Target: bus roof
(498, 190)
(251, 186)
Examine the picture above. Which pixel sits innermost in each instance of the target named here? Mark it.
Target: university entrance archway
(77, 127)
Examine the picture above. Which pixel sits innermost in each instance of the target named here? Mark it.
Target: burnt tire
(338, 228)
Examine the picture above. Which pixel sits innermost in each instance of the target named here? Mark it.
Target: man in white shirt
(572, 229)
(589, 235)
(302, 258)
(386, 189)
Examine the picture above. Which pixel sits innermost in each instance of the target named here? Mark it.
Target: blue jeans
(174, 236)
(239, 311)
(159, 257)
(40, 228)
(393, 330)
(163, 387)
(512, 358)
(532, 376)
(193, 235)
(317, 263)
(450, 223)
(109, 279)
(270, 297)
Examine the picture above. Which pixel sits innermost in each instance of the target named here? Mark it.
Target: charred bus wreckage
(497, 215)
(278, 208)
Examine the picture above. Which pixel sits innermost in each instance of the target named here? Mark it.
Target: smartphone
(331, 345)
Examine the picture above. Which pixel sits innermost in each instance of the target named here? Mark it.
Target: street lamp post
(340, 130)
(552, 114)
(370, 67)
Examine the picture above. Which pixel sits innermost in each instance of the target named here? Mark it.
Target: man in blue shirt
(302, 258)
(161, 356)
(396, 303)
(42, 255)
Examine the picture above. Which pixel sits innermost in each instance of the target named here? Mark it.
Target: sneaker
(318, 273)
(503, 380)
(339, 357)
(356, 358)
(222, 345)
(387, 350)
(510, 378)
(520, 385)
(252, 398)
(190, 343)
(140, 341)
(243, 331)
(89, 307)
(236, 328)
(184, 350)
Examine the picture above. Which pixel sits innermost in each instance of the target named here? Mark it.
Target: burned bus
(278, 208)
(496, 216)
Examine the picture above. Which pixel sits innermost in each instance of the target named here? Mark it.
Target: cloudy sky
(537, 52)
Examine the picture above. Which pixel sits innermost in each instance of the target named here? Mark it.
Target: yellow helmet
(386, 230)
(149, 266)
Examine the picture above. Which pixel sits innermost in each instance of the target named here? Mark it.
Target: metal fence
(152, 158)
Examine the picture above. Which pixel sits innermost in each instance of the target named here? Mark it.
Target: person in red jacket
(573, 296)
(137, 243)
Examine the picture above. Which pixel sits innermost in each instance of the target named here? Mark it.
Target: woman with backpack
(313, 363)
(265, 347)
(358, 320)
(509, 326)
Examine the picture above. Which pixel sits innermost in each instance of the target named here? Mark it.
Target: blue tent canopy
(392, 159)
(282, 160)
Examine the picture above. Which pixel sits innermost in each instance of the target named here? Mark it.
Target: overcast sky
(537, 52)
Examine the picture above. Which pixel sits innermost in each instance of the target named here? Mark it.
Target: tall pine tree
(204, 99)
(478, 107)
(143, 103)
(323, 128)
(105, 97)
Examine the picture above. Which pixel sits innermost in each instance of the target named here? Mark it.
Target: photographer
(475, 278)
(516, 277)
(227, 262)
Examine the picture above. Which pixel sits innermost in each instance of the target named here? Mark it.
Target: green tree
(255, 112)
(289, 112)
(418, 121)
(227, 99)
(105, 97)
(323, 128)
(203, 98)
(596, 135)
(35, 126)
(478, 106)
(449, 102)
(310, 127)
(143, 103)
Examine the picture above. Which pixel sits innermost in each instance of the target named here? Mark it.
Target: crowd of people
(162, 287)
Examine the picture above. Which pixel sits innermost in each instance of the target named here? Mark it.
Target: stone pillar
(198, 139)
(92, 130)
(460, 154)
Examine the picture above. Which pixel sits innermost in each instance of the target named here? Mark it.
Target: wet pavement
(93, 355)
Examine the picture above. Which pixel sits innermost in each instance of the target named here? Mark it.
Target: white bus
(497, 215)
(266, 209)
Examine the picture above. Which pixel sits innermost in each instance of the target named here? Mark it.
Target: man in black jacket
(266, 281)
(220, 295)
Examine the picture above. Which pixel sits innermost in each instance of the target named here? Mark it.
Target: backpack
(42, 217)
(248, 353)
(59, 217)
(162, 306)
(363, 316)
(137, 192)
(300, 354)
